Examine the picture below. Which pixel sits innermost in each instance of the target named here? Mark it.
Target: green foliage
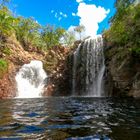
(68, 38)
(79, 29)
(27, 31)
(121, 9)
(135, 51)
(51, 36)
(3, 67)
(6, 51)
(125, 26)
(7, 22)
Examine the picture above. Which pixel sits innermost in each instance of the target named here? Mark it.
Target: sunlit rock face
(88, 68)
(31, 80)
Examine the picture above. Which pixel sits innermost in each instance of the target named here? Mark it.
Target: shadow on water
(70, 118)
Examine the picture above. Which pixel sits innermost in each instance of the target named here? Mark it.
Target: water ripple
(70, 119)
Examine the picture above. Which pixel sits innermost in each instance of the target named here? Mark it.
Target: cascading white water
(30, 80)
(75, 55)
(88, 68)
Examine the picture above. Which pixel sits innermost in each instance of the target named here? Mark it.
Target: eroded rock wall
(8, 83)
(15, 57)
(122, 72)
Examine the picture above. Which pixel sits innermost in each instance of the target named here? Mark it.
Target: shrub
(135, 51)
(3, 67)
(125, 27)
(6, 51)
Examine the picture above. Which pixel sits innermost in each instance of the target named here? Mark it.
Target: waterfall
(88, 68)
(30, 80)
(75, 55)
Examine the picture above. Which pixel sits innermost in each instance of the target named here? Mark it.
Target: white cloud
(36, 21)
(63, 15)
(52, 11)
(79, 1)
(59, 18)
(90, 17)
(60, 13)
(74, 14)
(56, 15)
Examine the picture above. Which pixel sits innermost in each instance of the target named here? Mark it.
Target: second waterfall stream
(88, 68)
(31, 80)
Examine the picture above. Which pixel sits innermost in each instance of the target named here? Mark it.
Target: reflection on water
(70, 119)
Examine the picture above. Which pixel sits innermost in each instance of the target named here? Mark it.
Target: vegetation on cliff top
(30, 34)
(125, 26)
(27, 31)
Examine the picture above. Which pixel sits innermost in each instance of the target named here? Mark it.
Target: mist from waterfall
(31, 80)
(88, 68)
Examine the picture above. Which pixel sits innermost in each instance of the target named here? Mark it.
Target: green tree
(51, 35)
(125, 25)
(27, 32)
(79, 29)
(68, 38)
(121, 9)
(7, 23)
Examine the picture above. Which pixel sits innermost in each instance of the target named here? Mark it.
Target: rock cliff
(122, 71)
(54, 60)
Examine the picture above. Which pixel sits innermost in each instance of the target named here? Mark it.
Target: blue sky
(94, 14)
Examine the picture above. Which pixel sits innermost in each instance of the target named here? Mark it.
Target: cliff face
(57, 68)
(122, 72)
(14, 54)
(55, 64)
(8, 83)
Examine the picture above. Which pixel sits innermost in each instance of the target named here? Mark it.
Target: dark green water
(70, 119)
